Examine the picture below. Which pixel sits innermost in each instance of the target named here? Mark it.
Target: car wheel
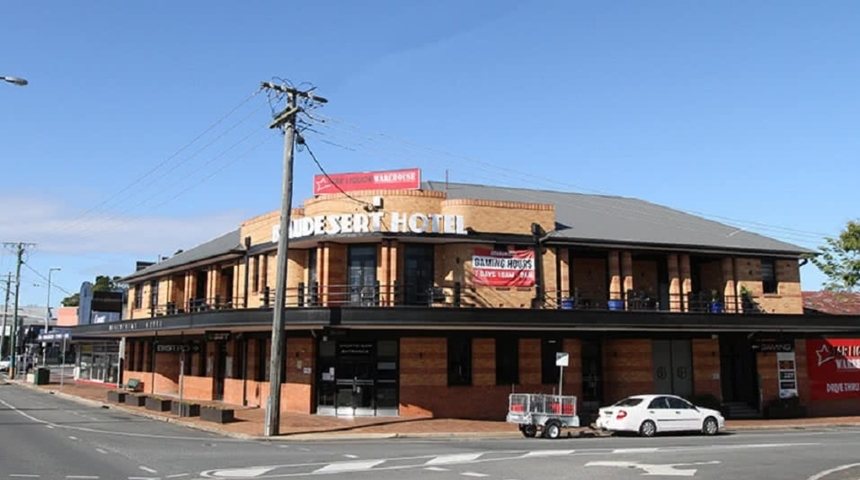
(552, 429)
(710, 427)
(647, 429)
(529, 431)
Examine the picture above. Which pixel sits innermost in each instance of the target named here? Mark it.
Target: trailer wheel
(528, 430)
(552, 429)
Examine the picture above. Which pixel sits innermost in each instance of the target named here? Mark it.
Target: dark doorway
(738, 370)
(220, 370)
(202, 286)
(358, 378)
(226, 299)
(673, 367)
(418, 274)
(592, 377)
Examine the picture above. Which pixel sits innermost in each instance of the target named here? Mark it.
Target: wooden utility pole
(286, 120)
(20, 248)
(5, 314)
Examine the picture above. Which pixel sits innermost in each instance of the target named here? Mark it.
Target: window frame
(769, 283)
(459, 353)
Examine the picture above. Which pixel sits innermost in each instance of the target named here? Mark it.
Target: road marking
(668, 469)
(635, 450)
(474, 474)
(101, 450)
(147, 469)
(438, 469)
(339, 467)
(177, 475)
(72, 438)
(453, 458)
(49, 426)
(547, 453)
(249, 472)
(83, 477)
(349, 455)
(23, 475)
(833, 470)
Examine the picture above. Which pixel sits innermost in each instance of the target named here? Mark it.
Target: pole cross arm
(284, 117)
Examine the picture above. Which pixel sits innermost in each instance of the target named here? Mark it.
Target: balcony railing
(454, 295)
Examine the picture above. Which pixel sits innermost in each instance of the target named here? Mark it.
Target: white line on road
(547, 453)
(249, 472)
(474, 474)
(23, 475)
(72, 438)
(349, 455)
(82, 477)
(832, 470)
(338, 467)
(147, 469)
(49, 426)
(102, 451)
(453, 458)
(177, 475)
(635, 450)
(438, 469)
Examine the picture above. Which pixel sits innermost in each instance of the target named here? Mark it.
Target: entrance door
(673, 367)
(739, 380)
(354, 378)
(220, 370)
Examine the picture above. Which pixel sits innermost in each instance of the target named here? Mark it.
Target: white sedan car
(649, 414)
(5, 364)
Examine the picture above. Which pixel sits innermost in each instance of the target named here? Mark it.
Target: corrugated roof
(226, 243)
(832, 303)
(603, 218)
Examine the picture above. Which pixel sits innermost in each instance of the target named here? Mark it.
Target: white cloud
(55, 228)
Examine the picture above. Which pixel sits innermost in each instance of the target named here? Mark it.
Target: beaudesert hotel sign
(373, 222)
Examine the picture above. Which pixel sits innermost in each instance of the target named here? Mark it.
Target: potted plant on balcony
(716, 305)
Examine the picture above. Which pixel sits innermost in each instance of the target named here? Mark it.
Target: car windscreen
(628, 402)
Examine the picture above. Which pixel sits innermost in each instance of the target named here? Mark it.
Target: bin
(43, 376)
(567, 304)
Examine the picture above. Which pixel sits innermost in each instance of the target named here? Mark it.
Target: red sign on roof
(407, 179)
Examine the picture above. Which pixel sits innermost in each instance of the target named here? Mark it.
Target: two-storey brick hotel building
(443, 299)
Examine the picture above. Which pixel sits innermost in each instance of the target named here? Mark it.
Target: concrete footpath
(248, 422)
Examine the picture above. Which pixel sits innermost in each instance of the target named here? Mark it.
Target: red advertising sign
(512, 268)
(407, 179)
(834, 368)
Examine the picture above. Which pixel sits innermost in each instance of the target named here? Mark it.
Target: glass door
(362, 275)
(355, 375)
(418, 274)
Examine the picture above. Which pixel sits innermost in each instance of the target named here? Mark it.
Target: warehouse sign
(373, 222)
(510, 268)
(406, 179)
(834, 368)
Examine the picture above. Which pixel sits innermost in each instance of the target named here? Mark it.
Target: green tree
(103, 283)
(839, 259)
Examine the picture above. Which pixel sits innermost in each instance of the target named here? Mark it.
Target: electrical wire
(53, 283)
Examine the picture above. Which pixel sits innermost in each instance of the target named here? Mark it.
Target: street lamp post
(14, 80)
(47, 316)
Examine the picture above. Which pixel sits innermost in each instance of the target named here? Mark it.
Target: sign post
(63, 365)
(562, 359)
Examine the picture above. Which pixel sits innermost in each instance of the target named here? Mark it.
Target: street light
(14, 80)
(48, 316)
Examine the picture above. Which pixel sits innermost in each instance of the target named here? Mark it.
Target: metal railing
(367, 295)
(640, 300)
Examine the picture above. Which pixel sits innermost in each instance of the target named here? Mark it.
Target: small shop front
(97, 362)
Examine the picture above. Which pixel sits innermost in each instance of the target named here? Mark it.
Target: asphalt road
(46, 437)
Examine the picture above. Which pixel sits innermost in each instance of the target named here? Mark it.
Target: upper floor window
(768, 275)
(138, 296)
(153, 293)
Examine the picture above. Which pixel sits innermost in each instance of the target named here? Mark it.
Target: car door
(658, 411)
(687, 417)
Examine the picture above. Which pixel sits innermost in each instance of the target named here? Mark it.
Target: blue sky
(745, 112)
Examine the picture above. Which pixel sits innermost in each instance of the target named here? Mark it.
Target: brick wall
(627, 368)
(706, 367)
(491, 216)
(296, 393)
(768, 383)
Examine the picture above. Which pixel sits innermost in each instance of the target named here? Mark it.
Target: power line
(53, 283)
(321, 169)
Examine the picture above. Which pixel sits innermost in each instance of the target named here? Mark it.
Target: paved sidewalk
(294, 426)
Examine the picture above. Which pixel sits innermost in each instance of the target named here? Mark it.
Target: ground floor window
(548, 370)
(459, 360)
(507, 360)
(98, 362)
